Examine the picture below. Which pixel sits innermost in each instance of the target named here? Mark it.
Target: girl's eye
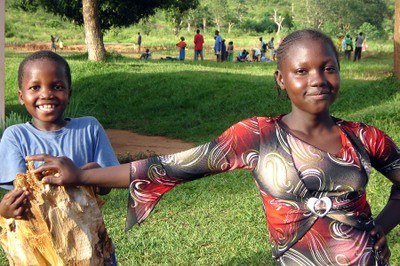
(301, 71)
(330, 69)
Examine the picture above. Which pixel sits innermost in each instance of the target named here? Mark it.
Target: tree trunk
(64, 227)
(397, 39)
(93, 33)
(204, 24)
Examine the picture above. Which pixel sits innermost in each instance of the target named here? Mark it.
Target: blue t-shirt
(218, 44)
(82, 139)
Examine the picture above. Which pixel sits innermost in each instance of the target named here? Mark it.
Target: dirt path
(124, 141)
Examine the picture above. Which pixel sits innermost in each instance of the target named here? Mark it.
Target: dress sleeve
(384, 154)
(236, 148)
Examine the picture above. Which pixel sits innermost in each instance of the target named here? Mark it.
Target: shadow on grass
(261, 258)
(159, 102)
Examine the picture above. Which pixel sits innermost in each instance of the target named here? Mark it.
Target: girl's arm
(70, 174)
(389, 217)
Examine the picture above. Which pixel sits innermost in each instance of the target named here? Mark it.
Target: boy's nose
(46, 92)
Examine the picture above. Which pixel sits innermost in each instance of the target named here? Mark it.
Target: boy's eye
(34, 88)
(58, 88)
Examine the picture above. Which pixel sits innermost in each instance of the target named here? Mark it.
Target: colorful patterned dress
(314, 201)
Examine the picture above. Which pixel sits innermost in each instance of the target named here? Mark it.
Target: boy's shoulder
(84, 121)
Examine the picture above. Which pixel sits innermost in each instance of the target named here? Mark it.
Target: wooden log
(64, 227)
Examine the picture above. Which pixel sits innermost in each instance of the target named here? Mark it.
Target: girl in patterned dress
(310, 167)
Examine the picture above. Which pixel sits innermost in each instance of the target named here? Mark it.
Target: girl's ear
(279, 79)
(20, 98)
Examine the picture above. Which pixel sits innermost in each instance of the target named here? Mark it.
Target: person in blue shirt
(44, 80)
(218, 46)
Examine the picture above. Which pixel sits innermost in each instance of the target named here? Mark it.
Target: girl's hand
(68, 172)
(97, 190)
(380, 244)
(15, 204)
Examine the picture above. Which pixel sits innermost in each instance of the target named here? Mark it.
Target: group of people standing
(347, 46)
(222, 52)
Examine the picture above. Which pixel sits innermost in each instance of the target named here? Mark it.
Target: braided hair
(44, 55)
(313, 34)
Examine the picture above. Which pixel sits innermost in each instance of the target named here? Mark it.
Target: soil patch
(124, 141)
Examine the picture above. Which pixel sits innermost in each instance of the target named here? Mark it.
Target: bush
(12, 119)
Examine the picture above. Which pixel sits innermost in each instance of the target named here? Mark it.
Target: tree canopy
(112, 13)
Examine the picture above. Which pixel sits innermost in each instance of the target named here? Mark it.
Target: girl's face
(310, 75)
(45, 93)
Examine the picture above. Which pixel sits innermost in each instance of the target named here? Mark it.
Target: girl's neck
(307, 123)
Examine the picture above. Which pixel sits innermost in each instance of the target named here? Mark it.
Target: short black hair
(44, 55)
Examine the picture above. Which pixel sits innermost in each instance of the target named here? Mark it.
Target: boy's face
(45, 93)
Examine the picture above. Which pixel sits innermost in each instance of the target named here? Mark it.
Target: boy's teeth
(46, 107)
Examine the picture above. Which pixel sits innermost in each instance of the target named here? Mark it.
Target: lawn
(217, 220)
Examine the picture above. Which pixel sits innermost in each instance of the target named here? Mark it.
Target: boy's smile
(45, 93)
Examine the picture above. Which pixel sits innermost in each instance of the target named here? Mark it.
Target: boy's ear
(279, 79)
(20, 98)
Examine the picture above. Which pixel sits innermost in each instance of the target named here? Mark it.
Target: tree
(109, 13)
(397, 39)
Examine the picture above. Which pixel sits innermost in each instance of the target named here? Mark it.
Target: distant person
(139, 41)
(198, 45)
(53, 43)
(60, 44)
(146, 55)
(255, 54)
(230, 51)
(339, 42)
(263, 47)
(359, 45)
(218, 45)
(182, 46)
(224, 53)
(349, 47)
(243, 56)
(271, 48)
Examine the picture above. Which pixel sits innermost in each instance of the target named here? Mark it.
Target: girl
(182, 46)
(230, 51)
(310, 167)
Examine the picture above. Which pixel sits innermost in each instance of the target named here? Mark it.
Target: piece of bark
(64, 227)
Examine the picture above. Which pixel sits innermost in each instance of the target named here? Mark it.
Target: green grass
(217, 220)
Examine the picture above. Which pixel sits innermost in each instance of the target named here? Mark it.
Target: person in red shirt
(182, 46)
(198, 45)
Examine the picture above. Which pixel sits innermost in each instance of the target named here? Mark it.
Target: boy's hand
(380, 244)
(68, 172)
(15, 204)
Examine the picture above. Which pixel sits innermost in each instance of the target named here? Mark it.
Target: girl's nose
(317, 78)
